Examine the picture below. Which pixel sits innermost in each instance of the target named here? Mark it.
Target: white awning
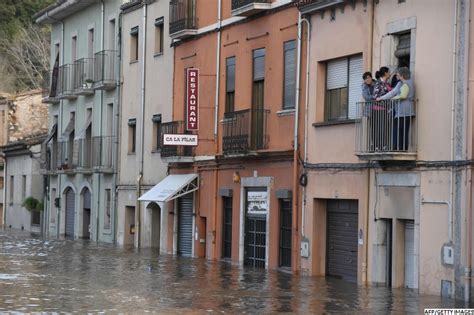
(172, 187)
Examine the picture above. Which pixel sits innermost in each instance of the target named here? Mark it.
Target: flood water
(81, 276)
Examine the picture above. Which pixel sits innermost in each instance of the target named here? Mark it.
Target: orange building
(235, 201)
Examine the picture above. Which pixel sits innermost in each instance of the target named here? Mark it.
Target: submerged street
(81, 276)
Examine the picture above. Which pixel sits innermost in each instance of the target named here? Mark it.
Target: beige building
(375, 212)
(146, 94)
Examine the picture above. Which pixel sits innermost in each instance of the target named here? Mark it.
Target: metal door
(255, 236)
(341, 255)
(409, 254)
(86, 220)
(70, 210)
(227, 228)
(285, 233)
(185, 225)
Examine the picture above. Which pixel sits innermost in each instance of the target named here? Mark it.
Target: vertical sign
(192, 99)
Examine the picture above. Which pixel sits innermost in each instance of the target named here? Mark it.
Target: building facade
(376, 212)
(147, 71)
(83, 99)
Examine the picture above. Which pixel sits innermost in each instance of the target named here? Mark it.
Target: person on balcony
(368, 87)
(379, 115)
(403, 107)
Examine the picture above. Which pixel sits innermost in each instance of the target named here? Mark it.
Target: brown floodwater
(81, 276)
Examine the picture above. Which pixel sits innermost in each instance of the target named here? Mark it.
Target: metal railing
(388, 126)
(66, 80)
(182, 15)
(67, 155)
(84, 150)
(237, 4)
(174, 127)
(104, 68)
(245, 130)
(102, 152)
(50, 161)
(84, 75)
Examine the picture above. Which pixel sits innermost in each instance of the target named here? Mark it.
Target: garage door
(409, 254)
(341, 255)
(70, 206)
(185, 225)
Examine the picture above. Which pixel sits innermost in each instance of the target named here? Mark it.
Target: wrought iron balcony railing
(49, 87)
(49, 162)
(84, 76)
(84, 151)
(245, 130)
(182, 18)
(174, 127)
(237, 4)
(102, 152)
(66, 81)
(67, 155)
(386, 129)
(105, 70)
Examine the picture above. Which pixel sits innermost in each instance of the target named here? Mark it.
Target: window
(132, 133)
(156, 132)
(90, 43)
(23, 188)
(74, 49)
(289, 75)
(1, 182)
(53, 205)
(230, 85)
(343, 77)
(110, 119)
(12, 190)
(107, 214)
(257, 140)
(134, 44)
(112, 34)
(159, 28)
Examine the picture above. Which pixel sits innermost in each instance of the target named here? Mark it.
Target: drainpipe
(295, 197)
(117, 124)
(142, 131)
(5, 181)
(102, 7)
(216, 119)
(60, 122)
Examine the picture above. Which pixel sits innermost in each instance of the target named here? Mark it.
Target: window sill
(334, 122)
(133, 61)
(286, 112)
(158, 54)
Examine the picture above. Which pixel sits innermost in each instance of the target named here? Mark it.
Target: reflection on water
(64, 275)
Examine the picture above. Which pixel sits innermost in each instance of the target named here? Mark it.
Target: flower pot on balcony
(88, 84)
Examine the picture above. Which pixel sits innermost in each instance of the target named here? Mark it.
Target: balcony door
(257, 113)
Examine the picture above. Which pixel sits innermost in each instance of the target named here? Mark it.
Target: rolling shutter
(409, 254)
(355, 79)
(289, 87)
(336, 74)
(259, 64)
(70, 207)
(185, 225)
(230, 85)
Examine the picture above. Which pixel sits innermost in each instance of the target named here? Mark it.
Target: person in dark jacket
(368, 87)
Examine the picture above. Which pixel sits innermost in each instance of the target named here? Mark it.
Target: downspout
(142, 130)
(306, 106)
(102, 6)
(216, 120)
(118, 124)
(295, 195)
(453, 102)
(5, 181)
(60, 123)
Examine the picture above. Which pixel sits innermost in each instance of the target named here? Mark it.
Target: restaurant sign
(192, 99)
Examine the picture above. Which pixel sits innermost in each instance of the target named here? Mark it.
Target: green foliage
(17, 13)
(31, 203)
(39, 206)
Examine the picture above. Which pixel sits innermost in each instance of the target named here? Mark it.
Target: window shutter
(230, 85)
(355, 78)
(290, 75)
(259, 64)
(336, 74)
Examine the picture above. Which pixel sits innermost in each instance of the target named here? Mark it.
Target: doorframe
(254, 182)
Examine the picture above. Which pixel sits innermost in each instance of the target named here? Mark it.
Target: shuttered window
(289, 79)
(230, 84)
(343, 89)
(259, 64)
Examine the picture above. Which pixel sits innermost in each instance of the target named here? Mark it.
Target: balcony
(49, 162)
(66, 156)
(182, 18)
(245, 131)
(249, 7)
(383, 136)
(84, 152)
(102, 154)
(49, 88)
(175, 153)
(66, 82)
(84, 76)
(105, 76)
(313, 6)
